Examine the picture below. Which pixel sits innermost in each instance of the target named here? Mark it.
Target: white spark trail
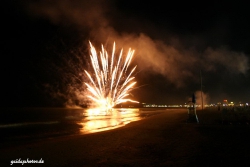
(110, 84)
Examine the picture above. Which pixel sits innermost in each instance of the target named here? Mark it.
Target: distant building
(224, 103)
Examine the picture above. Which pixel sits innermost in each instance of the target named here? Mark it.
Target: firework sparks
(110, 82)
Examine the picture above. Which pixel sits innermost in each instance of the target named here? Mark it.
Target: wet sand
(164, 139)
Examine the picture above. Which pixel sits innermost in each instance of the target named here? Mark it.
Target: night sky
(44, 49)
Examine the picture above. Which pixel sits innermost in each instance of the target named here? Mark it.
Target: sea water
(35, 123)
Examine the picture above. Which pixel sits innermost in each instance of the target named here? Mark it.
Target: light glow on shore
(99, 120)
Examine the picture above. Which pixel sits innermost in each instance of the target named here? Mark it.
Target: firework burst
(111, 80)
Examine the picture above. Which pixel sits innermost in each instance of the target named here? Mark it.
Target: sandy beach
(164, 139)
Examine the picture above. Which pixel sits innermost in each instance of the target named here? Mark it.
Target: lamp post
(201, 92)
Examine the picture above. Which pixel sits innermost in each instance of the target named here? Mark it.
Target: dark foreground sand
(165, 139)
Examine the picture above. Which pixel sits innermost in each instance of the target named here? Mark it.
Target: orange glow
(100, 120)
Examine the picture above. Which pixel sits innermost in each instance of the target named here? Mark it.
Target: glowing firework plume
(110, 83)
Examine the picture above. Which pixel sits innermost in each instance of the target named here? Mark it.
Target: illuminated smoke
(202, 98)
(179, 65)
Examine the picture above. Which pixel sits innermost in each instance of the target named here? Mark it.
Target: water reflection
(99, 120)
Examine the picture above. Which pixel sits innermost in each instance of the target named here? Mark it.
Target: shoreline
(164, 139)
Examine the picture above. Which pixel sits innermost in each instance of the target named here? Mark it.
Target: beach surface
(163, 139)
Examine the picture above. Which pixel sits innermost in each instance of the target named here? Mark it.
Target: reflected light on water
(97, 120)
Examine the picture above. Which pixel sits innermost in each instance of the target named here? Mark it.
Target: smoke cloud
(151, 55)
(202, 99)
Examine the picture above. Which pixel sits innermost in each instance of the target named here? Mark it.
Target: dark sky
(45, 49)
